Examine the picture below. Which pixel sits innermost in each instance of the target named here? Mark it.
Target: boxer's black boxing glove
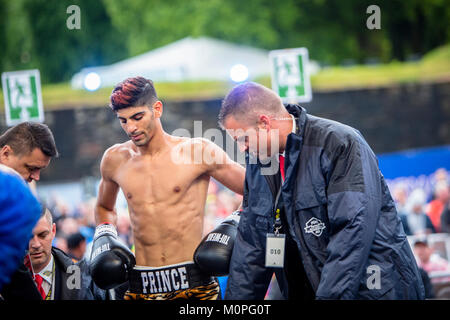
(213, 254)
(111, 260)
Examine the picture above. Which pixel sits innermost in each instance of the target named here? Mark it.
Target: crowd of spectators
(423, 213)
(426, 221)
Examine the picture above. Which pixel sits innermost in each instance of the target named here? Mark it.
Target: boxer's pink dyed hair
(133, 92)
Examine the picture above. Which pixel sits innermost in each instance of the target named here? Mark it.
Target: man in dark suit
(56, 274)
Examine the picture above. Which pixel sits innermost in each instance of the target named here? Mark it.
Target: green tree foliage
(416, 26)
(36, 36)
(333, 30)
(33, 33)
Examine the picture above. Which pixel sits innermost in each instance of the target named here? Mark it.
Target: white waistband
(138, 268)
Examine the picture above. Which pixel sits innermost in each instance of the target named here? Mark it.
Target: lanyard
(277, 224)
(277, 211)
(49, 294)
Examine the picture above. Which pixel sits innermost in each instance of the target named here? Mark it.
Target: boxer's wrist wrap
(105, 228)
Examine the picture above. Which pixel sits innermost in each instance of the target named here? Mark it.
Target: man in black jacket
(328, 208)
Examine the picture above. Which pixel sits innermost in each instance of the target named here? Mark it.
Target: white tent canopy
(184, 60)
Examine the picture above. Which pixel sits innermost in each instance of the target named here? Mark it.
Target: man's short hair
(133, 92)
(247, 99)
(26, 136)
(45, 212)
(74, 240)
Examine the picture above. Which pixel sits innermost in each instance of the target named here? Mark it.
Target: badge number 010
(275, 250)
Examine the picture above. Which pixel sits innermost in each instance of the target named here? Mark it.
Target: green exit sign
(23, 98)
(290, 76)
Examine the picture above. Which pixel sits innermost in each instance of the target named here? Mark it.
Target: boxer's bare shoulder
(197, 150)
(115, 156)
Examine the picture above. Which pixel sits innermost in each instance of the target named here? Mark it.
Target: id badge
(275, 250)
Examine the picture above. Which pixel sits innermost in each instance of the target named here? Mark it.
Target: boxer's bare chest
(155, 180)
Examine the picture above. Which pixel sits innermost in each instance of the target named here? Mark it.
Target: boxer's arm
(107, 194)
(104, 209)
(111, 260)
(229, 173)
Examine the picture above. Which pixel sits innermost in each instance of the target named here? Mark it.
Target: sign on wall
(290, 76)
(23, 97)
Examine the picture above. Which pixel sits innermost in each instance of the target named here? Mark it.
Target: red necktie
(282, 166)
(38, 279)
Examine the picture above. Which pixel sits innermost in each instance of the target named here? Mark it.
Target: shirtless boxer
(165, 181)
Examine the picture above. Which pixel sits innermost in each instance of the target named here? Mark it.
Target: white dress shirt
(48, 276)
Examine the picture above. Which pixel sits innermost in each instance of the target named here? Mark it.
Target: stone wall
(391, 119)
